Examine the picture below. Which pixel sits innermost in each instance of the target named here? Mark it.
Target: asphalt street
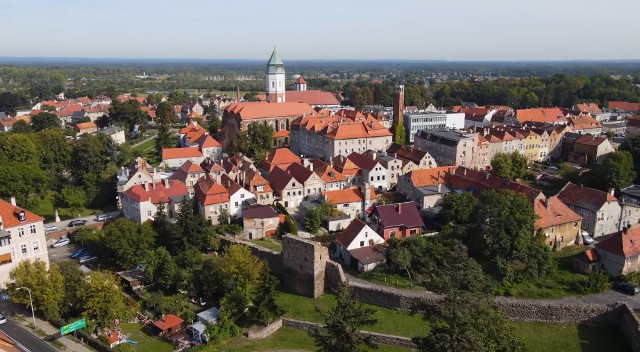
(25, 341)
(62, 225)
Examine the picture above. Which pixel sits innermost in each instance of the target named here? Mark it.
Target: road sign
(78, 324)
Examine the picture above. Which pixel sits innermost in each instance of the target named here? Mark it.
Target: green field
(270, 244)
(146, 343)
(570, 338)
(387, 277)
(46, 209)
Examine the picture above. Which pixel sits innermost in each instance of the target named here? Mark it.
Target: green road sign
(78, 324)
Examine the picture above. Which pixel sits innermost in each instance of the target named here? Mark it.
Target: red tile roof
(479, 181)
(311, 97)
(326, 172)
(349, 195)
(585, 197)
(159, 193)
(430, 177)
(623, 105)
(545, 115)
(362, 161)
(167, 322)
(557, 213)
(399, 214)
(625, 243)
(176, 153)
(85, 125)
(584, 122)
(209, 192)
(281, 134)
(9, 214)
(300, 80)
(257, 110)
(350, 232)
(282, 157)
(589, 108)
(590, 140)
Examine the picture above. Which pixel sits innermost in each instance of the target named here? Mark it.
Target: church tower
(275, 79)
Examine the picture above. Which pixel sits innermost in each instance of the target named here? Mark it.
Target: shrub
(596, 282)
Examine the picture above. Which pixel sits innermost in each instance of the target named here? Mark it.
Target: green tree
(129, 243)
(265, 308)
(73, 199)
(617, 170)
(400, 259)
(164, 139)
(240, 143)
(74, 284)
(103, 301)
(92, 239)
(45, 120)
(509, 166)
(260, 138)
(54, 150)
(195, 230)
(240, 273)
(10, 102)
(632, 145)
(19, 179)
(128, 114)
(21, 126)
(19, 148)
(162, 269)
(165, 114)
(47, 287)
(458, 208)
(399, 134)
(343, 324)
(168, 233)
(313, 219)
(214, 121)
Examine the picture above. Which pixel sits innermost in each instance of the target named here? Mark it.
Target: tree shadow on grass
(596, 339)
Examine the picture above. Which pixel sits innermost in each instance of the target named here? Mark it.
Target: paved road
(91, 219)
(25, 341)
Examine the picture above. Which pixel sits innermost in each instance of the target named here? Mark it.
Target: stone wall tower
(398, 105)
(275, 79)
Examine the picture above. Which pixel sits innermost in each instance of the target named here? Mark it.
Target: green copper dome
(274, 65)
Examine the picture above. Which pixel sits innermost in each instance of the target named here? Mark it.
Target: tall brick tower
(398, 105)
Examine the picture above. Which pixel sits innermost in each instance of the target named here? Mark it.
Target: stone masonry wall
(334, 275)
(383, 339)
(273, 259)
(630, 326)
(304, 263)
(264, 332)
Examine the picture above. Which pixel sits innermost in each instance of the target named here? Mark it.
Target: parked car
(51, 228)
(626, 288)
(79, 252)
(74, 223)
(104, 217)
(62, 241)
(586, 238)
(86, 258)
(3, 319)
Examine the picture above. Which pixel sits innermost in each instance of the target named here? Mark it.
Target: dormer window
(22, 216)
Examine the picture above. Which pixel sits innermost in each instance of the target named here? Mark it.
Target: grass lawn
(559, 284)
(285, 339)
(384, 276)
(390, 321)
(145, 343)
(569, 338)
(271, 244)
(46, 209)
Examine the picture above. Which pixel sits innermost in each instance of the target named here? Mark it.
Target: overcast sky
(326, 29)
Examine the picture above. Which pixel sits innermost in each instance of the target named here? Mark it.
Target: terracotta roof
(350, 232)
(299, 172)
(185, 170)
(311, 97)
(589, 108)
(254, 179)
(85, 125)
(545, 115)
(556, 213)
(326, 172)
(362, 161)
(167, 322)
(175, 153)
(257, 110)
(625, 243)
(279, 178)
(159, 193)
(231, 186)
(281, 134)
(10, 215)
(590, 140)
(399, 214)
(282, 157)
(430, 177)
(583, 122)
(206, 141)
(260, 212)
(623, 105)
(208, 191)
(349, 195)
(300, 80)
(412, 154)
(479, 181)
(584, 197)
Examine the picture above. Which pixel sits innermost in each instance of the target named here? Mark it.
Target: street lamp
(31, 303)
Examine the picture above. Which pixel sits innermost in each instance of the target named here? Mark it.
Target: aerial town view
(337, 176)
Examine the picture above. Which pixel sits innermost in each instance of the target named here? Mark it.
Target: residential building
(346, 167)
(259, 187)
(415, 122)
(138, 172)
(620, 253)
(420, 158)
(351, 201)
(22, 237)
(629, 199)
(239, 198)
(392, 165)
(286, 187)
(560, 225)
(192, 107)
(449, 147)
(370, 171)
(280, 157)
(140, 202)
(260, 221)
(332, 179)
(591, 109)
(312, 184)
(211, 198)
(600, 211)
(624, 107)
(116, 134)
(589, 150)
(194, 135)
(426, 187)
(548, 116)
(356, 246)
(188, 173)
(85, 127)
(396, 220)
(213, 168)
(584, 124)
(174, 157)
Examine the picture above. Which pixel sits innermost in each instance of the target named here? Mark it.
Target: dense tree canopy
(129, 243)
(45, 120)
(510, 166)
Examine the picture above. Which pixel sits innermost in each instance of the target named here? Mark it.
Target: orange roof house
(588, 108)
(168, 324)
(176, 153)
(349, 195)
(281, 157)
(624, 106)
(541, 115)
(209, 192)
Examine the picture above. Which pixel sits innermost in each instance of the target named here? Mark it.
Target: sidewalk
(23, 317)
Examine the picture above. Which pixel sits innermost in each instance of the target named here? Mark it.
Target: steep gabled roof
(351, 232)
(584, 197)
(158, 192)
(362, 161)
(399, 214)
(625, 243)
(10, 215)
(175, 153)
(553, 214)
(326, 172)
(209, 192)
(299, 172)
(282, 157)
(279, 178)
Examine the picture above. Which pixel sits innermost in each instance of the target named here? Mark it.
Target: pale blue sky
(324, 29)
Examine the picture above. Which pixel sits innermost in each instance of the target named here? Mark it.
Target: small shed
(209, 316)
(367, 258)
(197, 332)
(133, 277)
(586, 261)
(168, 324)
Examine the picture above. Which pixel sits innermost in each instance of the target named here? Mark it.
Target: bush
(596, 282)
(632, 278)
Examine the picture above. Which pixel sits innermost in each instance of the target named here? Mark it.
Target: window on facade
(23, 249)
(20, 231)
(5, 241)
(149, 213)
(36, 246)
(32, 229)
(361, 243)
(273, 84)
(392, 234)
(236, 204)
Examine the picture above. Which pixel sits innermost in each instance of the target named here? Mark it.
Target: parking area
(60, 254)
